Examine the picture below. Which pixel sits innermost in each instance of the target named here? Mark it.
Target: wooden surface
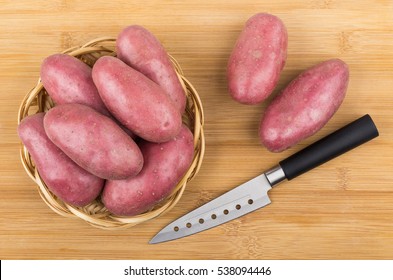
(342, 210)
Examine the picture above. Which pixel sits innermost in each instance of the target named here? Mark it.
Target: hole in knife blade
(201, 221)
(226, 212)
(188, 225)
(176, 228)
(214, 216)
(250, 201)
(238, 207)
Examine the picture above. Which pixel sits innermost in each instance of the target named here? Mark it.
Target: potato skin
(136, 101)
(165, 165)
(68, 80)
(94, 141)
(63, 177)
(257, 59)
(141, 50)
(305, 105)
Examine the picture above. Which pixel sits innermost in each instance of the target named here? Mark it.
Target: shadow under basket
(37, 100)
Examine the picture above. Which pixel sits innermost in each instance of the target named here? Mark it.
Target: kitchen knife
(253, 194)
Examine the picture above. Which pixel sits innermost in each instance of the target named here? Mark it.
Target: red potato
(136, 101)
(165, 165)
(94, 141)
(305, 105)
(257, 59)
(141, 50)
(68, 80)
(63, 177)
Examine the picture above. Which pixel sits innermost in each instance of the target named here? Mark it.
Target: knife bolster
(275, 175)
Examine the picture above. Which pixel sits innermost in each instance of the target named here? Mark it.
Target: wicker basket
(37, 100)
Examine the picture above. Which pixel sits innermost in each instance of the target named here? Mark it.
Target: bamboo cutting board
(342, 210)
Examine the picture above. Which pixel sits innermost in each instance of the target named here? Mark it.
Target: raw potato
(140, 49)
(68, 80)
(305, 105)
(257, 59)
(136, 101)
(165, 165)
(94, 141)
(63, 177)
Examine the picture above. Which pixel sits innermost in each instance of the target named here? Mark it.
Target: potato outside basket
(95, 214)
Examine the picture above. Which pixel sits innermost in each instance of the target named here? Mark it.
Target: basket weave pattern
(37, 100)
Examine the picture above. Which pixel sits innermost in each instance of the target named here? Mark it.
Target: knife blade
(253, 194)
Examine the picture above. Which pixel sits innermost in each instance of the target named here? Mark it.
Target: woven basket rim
(95, 213)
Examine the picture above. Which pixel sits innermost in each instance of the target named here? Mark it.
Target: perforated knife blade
(253, 194)
(239, 201)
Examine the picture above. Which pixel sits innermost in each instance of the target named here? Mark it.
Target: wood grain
(342, 210)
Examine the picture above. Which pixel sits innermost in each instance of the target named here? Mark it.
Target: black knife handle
(350, 136)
